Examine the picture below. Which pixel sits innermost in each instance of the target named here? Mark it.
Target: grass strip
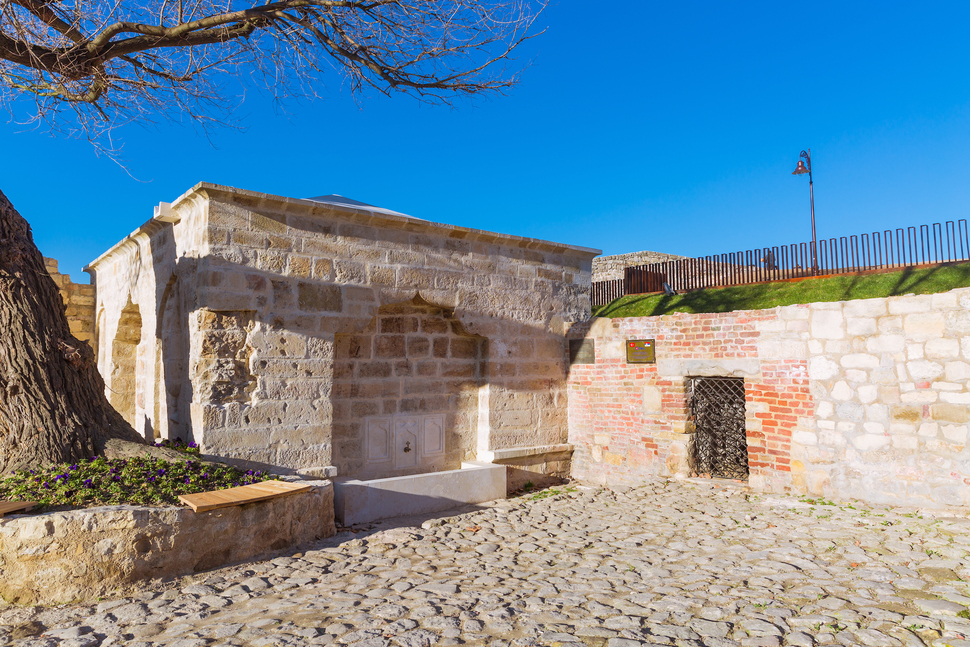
(930, 280)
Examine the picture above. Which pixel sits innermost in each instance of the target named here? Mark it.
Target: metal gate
(715, 408)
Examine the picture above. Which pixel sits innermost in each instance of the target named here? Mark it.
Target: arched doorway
(124, 362)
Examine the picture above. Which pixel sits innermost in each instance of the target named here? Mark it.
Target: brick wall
(866, 399)
(78, 302)
(629, 420)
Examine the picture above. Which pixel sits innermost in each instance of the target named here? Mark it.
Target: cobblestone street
(668, 563)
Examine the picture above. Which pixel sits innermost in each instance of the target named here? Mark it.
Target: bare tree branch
(98, 63)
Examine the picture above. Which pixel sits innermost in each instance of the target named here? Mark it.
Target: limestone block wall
(310, 272)
(891, 381)
(145, 289)
(67, 556)
(78, 302)
(607, 268)
(246, 300)
(861, 399)
(413, 358)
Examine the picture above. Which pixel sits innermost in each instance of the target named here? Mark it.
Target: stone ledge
(498, 455)
(60, 557)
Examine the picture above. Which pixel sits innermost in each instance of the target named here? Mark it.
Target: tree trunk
(52, 403)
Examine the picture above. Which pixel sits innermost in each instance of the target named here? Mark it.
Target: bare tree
(92, 64)
(107, 61)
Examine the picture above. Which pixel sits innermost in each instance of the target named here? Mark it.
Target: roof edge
(519, 241)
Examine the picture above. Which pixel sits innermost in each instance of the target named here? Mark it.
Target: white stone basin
(357, 501)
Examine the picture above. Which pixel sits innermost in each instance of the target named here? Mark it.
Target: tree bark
(53, 407)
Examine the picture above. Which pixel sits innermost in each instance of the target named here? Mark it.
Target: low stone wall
(78, 302)
(60, 557)
(866, 399)
(606, 268)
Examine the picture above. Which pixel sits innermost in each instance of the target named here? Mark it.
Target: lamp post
(801, 169)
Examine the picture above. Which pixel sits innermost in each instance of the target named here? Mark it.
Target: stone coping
(520, 452)
(363, 214)
(60, 557)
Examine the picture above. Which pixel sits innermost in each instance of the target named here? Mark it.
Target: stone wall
(78, 302)
(145, 290)
(243, 298)
(630, 420)
(606, 268)
(412, 359)
(63, 557)
(861, 399)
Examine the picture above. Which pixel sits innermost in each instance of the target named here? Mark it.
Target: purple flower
(192, 445)
(115, 478)
(151, 478)
(161, 472)
(88, 483)
(47, 485)
(73, 467)
(188, 480)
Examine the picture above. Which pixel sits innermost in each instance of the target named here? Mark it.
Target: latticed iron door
(715, 408)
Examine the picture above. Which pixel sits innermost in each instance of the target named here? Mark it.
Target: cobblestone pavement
(668, 563)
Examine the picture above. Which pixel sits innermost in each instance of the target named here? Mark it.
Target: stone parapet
(78, 302)
(607, 268)
(61, 557)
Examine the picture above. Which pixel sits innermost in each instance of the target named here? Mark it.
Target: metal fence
(889, 249)
(605, 291)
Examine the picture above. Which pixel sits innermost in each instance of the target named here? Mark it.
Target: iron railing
(605, 291)
(888, 249)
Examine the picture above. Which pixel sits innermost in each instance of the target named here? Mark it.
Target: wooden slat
(6, 507)
(240, 495)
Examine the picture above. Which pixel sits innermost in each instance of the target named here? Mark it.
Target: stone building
(325, 333)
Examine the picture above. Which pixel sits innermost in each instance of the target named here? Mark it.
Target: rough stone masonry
(862, 399)
(320, 334)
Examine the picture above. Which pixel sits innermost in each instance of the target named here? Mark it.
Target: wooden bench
(6, 507)
(205, 501)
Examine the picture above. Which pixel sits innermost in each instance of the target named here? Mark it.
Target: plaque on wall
(582, 351)
(640, 351)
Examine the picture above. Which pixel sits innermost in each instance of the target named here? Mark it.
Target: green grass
(768, 295)
(134, 481)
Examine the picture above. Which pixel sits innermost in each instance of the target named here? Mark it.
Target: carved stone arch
(100, 341)
(170, 411)
(123, 376)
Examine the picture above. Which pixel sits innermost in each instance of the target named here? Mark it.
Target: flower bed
(139, 480)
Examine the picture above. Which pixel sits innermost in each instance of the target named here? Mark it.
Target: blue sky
(671, 127)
